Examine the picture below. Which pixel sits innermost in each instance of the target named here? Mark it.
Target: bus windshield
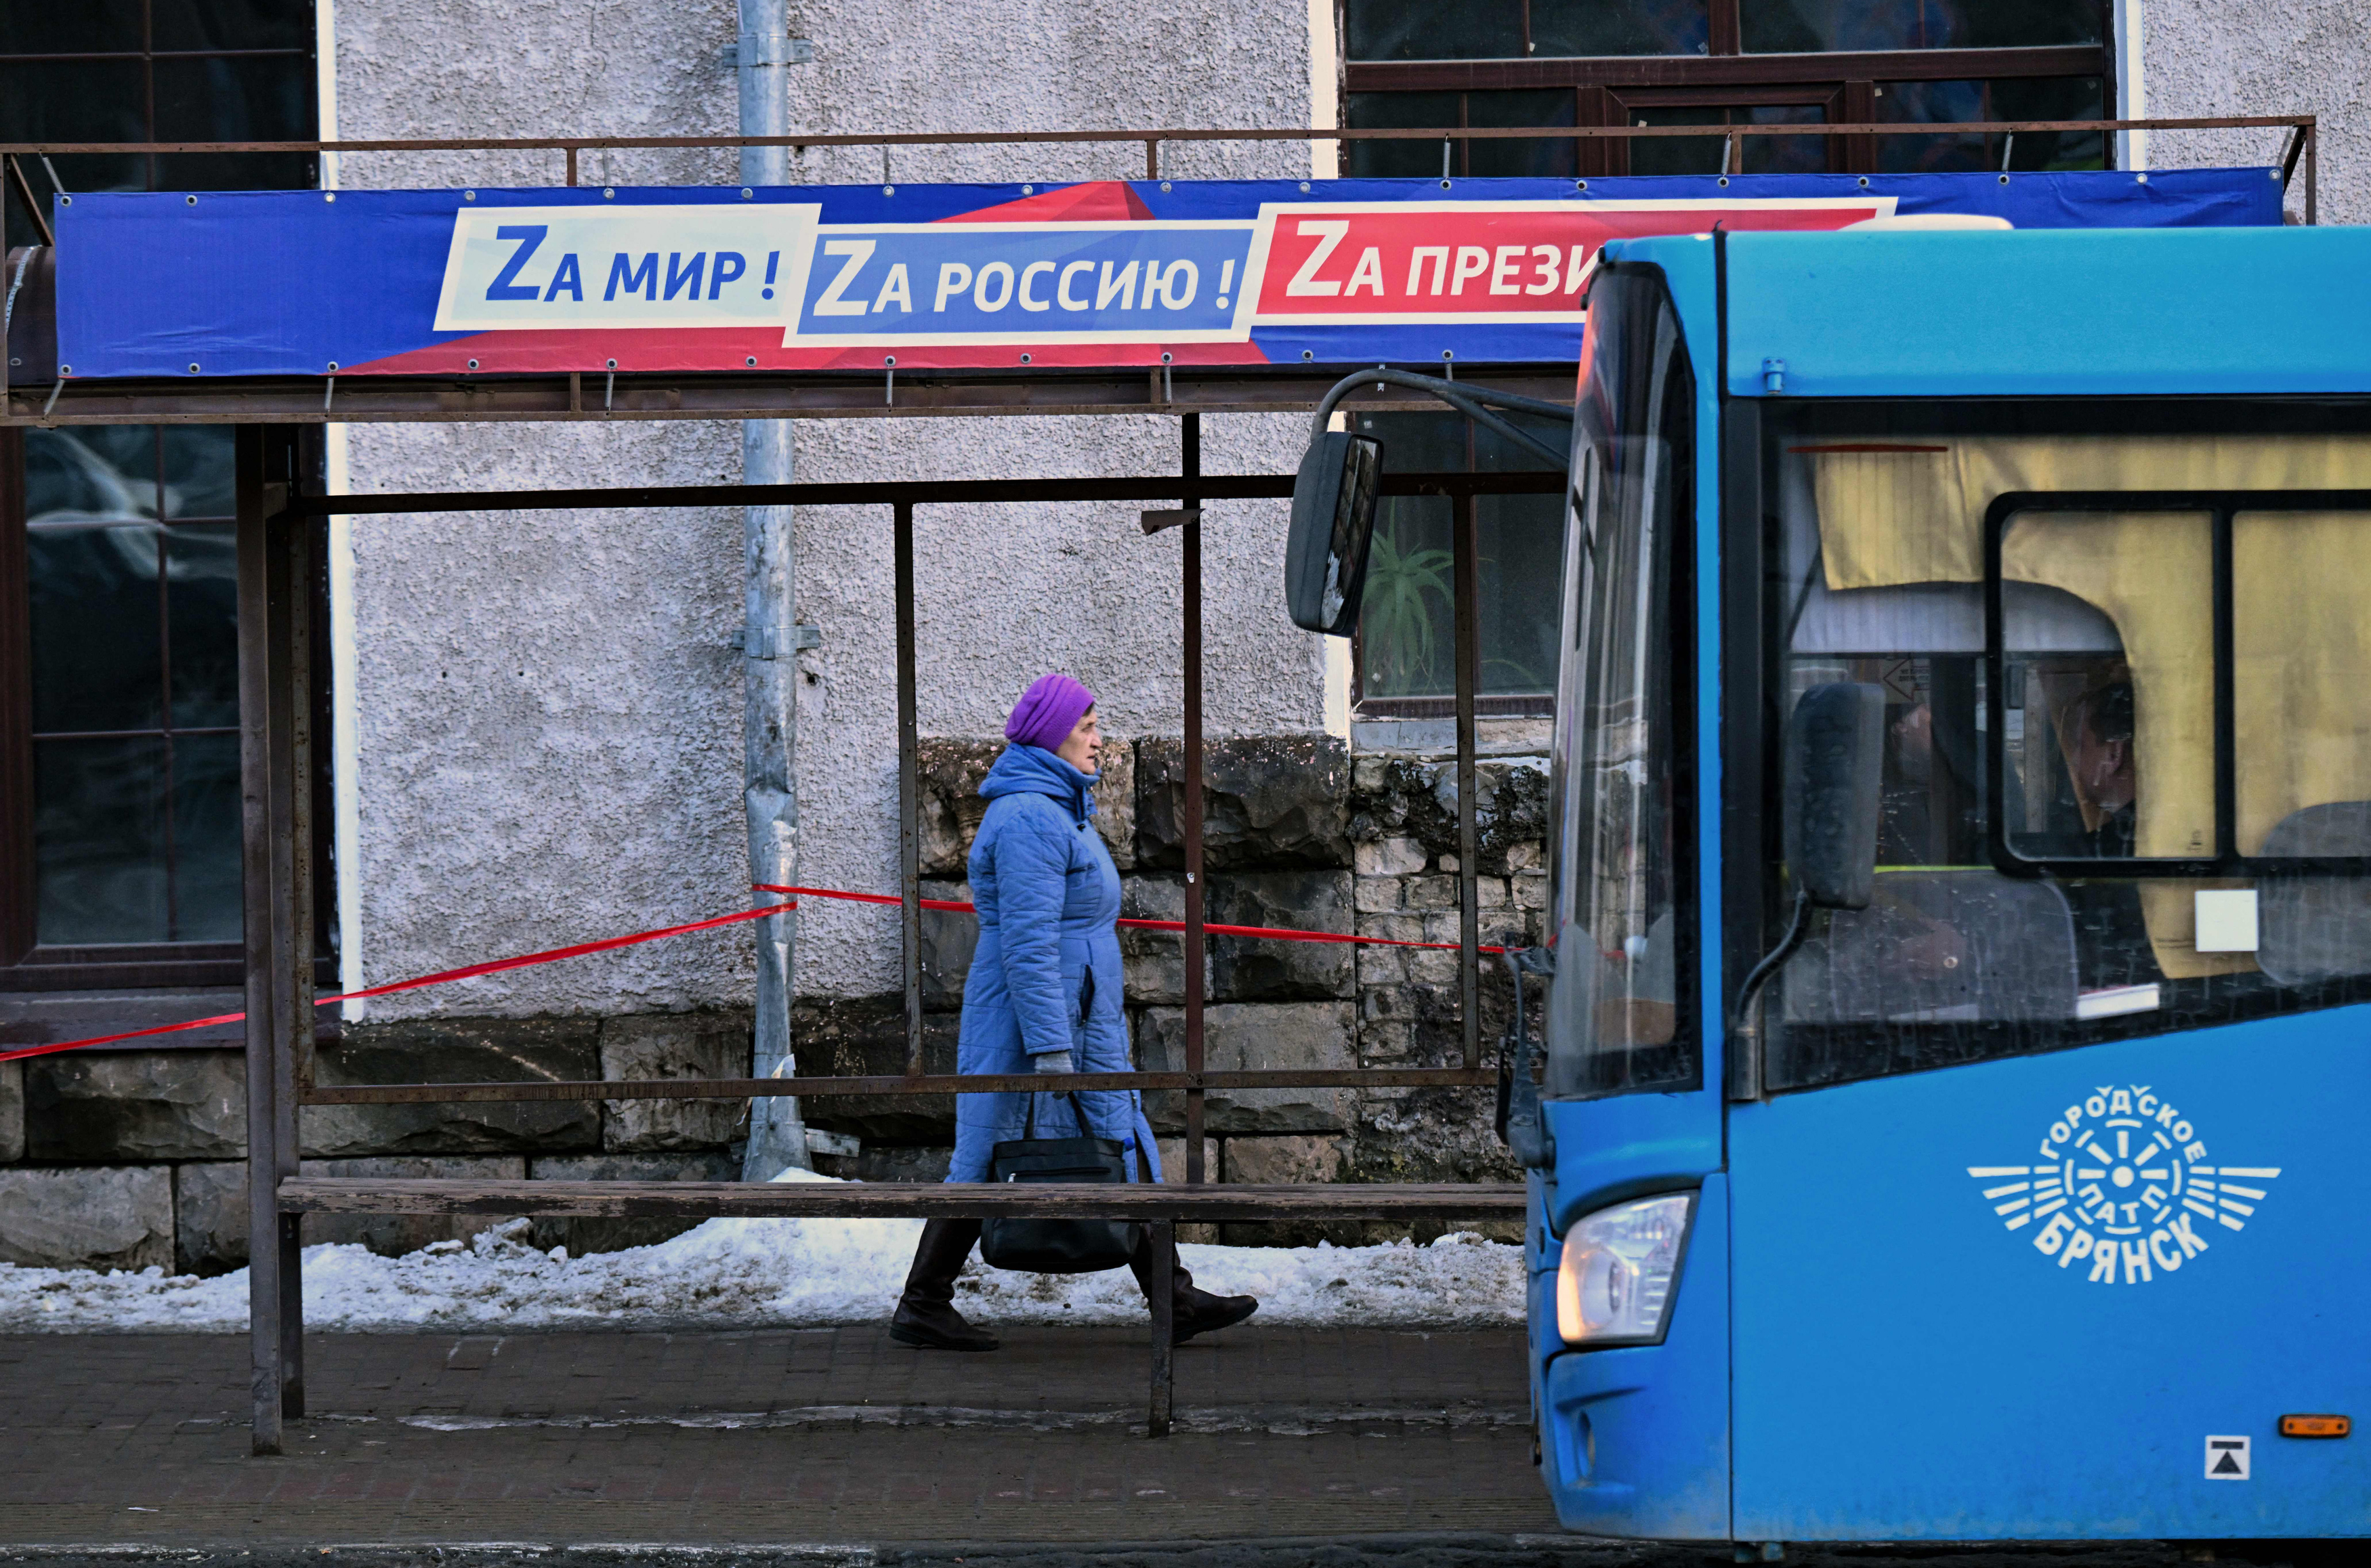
(1619, 1018)
(2127, 773)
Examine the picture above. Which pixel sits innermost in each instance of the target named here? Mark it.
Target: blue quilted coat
(1045, 975)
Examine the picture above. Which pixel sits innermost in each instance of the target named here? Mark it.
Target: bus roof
(2040, 312)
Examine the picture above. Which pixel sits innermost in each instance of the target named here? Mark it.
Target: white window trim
(2131, 94)
(344, 665)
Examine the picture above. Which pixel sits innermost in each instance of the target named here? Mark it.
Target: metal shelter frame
(281, 528)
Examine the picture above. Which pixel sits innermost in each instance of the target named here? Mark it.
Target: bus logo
(2125, 1186)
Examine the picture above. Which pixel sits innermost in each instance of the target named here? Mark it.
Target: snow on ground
(771, 1272)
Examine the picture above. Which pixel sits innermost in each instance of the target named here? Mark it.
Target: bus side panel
(1634, 1441)
(1929, 1346)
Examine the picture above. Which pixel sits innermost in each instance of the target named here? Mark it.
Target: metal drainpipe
(778, 1134)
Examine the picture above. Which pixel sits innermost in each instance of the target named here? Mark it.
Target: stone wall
(137, 1158)
(134, 1158)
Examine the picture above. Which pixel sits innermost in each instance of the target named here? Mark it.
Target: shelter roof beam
(421, 400)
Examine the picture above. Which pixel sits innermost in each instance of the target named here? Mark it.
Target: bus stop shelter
(109, 317)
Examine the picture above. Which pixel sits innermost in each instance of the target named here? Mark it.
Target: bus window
(2301, 667)
(1618, 1022)
(2082, 793)
(2050, 853)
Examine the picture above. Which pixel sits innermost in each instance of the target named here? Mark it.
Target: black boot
(926, 1314)
(1191, 1311)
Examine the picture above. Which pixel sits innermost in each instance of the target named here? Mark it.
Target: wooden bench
(1162, 1206)
(1214, 1203)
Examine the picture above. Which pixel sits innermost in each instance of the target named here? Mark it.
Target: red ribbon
(553, 956)
(441, 977)
(1280, 933)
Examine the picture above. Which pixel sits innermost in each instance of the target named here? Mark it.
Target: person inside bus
(2098, 747)
(2096, 729)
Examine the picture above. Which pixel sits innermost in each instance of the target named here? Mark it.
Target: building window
(158, 71)
(1419, 64)
(1722, 63)
(1407, 663)
(133, 599)
(118, 693)
(1830, 26)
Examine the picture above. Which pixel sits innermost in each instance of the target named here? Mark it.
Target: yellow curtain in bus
(2152, 573)
(1910, 511)
(1914, 512)
(2301, 658)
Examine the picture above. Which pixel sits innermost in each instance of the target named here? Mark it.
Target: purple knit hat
(1048, 711)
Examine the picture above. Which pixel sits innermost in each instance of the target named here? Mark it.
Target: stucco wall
(1005, 592)
(547, 713)
(2212, 57)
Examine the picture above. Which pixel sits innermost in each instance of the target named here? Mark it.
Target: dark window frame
(1753, 663)
(165, 728)
(16, 892)
(1605, 86)
(2220, 505)
(24, 964)
(147, 57)
(1502, 705)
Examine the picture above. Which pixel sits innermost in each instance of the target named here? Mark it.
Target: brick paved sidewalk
(814, 1436)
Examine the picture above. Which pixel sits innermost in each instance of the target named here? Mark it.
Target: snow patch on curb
(772, 1273)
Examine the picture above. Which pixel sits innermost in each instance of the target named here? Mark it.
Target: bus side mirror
(1835, 746)
(1333, 517)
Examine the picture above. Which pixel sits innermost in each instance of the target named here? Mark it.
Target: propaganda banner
(869, 278)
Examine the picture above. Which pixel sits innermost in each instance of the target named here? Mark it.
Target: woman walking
(1044, 994)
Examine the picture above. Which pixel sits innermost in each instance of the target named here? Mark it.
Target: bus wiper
(1521, 1127)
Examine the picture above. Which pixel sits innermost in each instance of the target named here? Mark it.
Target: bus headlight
(1614, 1283)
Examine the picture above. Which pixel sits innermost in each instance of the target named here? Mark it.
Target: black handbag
(1059, 1246)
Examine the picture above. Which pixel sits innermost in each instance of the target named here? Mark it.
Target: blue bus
(1960, 990)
